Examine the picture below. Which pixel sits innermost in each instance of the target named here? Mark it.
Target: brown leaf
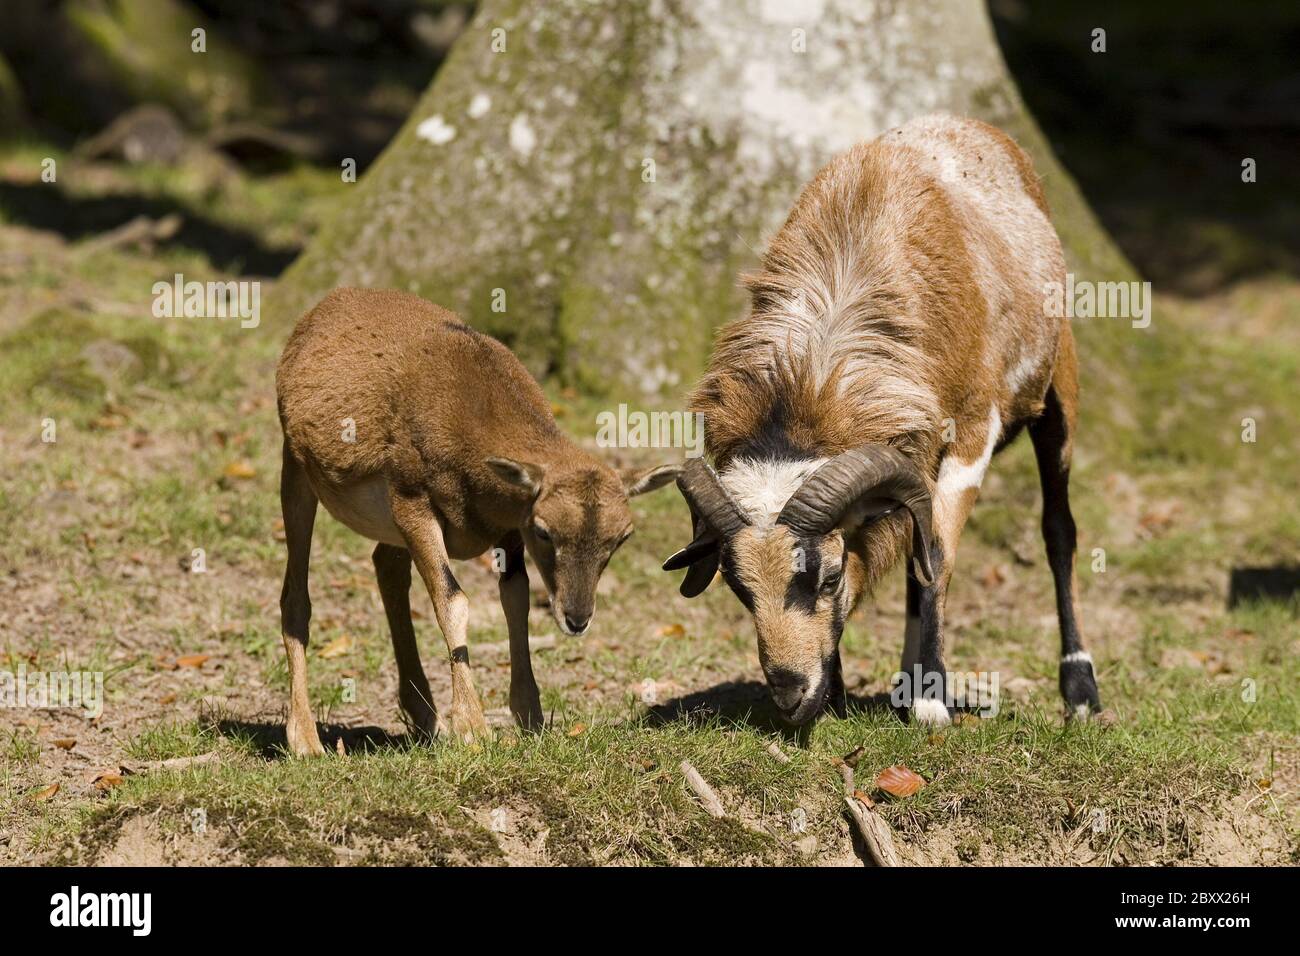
(107, 781)
(899, 781)
(338, 647)
(578, 729)
(40, 796)
(240, 470)
(1266, 784)
(672, 630)
(994, 576)
(64, 743)
(193, 660)
(167, 699)
(859, 795)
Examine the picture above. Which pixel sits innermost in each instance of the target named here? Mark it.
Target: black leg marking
(1050, 434)
(926, 684)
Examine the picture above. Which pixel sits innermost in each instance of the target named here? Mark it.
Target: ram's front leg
(423, 534)
(960, 475)
(525, 701)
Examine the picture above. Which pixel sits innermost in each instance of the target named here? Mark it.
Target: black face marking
(729, 575)
(802, 590)
(460, 655)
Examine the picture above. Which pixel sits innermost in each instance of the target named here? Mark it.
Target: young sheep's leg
(1052, 434)
(525, 701)
(393, 569)
(298, 503)
(423, 535)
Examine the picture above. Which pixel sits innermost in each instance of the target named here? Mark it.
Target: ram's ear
(639, 481)
(700, 557)
(522, 474)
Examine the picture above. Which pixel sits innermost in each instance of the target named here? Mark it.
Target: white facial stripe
(956, 477)
(761, 488)
(1077, 657)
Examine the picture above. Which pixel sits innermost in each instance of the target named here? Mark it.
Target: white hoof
(931, 713)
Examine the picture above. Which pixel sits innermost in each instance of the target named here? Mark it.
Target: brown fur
(454, 451)
(901, 303)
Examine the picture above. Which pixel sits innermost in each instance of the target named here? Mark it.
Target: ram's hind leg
(1053, 437)
(298, 502)
(393, 569)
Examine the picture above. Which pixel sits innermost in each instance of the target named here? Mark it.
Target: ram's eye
(832, 583)
(541, 533)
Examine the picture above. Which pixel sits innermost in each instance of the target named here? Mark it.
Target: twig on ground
(777, 753)
(875, 832)
(180, 763)
(701, 787)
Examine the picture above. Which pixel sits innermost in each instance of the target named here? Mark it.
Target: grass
(97, 531)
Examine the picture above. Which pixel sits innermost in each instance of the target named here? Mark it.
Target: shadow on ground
(271, 743)
(41, 206)
(749, 704)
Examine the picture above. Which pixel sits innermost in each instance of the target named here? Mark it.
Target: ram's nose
(788, 689)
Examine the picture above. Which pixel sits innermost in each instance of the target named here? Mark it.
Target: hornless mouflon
(431, 438)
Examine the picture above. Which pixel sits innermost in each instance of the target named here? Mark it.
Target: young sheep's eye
(541, 533)
(832, 583)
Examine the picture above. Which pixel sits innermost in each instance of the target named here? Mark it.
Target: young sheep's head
(795, 573)
(579, 518)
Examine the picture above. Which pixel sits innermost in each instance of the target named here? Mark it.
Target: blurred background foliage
(1184, 91)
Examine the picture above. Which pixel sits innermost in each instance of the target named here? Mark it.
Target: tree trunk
(589, 193)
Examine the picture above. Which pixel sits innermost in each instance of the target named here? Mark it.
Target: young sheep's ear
(639, 482)
(521, 474)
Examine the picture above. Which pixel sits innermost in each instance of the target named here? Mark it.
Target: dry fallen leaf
(64, 743)
(859, 795)
(167, 699)
(341, 645)
(672, 630)
(41, 796)
(192, 660)
(993, 576)
(240, 470)
(578, 729)
(107, 780)
(899, 781)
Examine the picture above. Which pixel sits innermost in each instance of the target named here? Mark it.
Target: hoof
(931, 713)
(304, 742)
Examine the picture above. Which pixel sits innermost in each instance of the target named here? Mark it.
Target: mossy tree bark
(602, 171)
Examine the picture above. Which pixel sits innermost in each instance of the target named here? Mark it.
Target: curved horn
(703, 491)
(829, 495)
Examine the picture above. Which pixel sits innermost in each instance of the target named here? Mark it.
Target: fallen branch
(702, 790)
(875, 832)
(180, 763)
(140, 231)
(777, 753)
